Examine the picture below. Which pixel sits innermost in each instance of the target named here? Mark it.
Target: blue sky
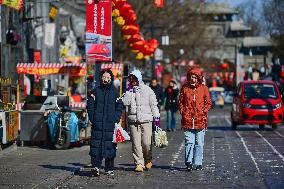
(234, 3)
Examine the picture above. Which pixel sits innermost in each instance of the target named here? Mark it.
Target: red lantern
(147, 51)
(130, 29)
(125, 8)
(118, 3)
(153, 43)
(138, 45)
(130, 17)
(159, 3)
(134, 38)
(224, 66)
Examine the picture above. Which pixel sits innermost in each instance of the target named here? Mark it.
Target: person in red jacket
(194, 103)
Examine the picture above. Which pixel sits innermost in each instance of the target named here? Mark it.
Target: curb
(8, 149)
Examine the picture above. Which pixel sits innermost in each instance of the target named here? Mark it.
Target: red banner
(99, 29)
(16, 4)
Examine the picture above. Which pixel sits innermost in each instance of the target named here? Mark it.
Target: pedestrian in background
(171, 104)
(255, 75)
(194, 103)
(143, 109)
(104, 110)
(158, 90)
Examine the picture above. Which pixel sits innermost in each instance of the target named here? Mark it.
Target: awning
(116, 68)
(52, 68)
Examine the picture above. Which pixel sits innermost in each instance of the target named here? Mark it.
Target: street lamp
(165, 40)
(181, 51)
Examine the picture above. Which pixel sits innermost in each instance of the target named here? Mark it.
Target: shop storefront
(8, 114)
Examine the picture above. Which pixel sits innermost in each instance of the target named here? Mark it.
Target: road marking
(271, 146)
(216, 116)
(213, 164)
(228, 121)
(176, 155)
(279, 134)
(249, 153)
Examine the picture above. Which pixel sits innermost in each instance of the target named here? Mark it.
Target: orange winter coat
(194, 103)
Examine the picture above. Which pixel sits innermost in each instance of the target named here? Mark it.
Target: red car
(257, 102)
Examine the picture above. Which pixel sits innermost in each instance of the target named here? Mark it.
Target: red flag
(98, 49)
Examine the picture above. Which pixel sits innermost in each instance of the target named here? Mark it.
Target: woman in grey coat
(143, 109)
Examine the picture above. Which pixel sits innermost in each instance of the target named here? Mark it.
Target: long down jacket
(171, 96)
(104, 111)
(194, 103)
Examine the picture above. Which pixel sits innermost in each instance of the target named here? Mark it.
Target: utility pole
(152, 29)
(153, 63)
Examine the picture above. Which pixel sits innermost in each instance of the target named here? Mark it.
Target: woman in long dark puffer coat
(171, 105)
(104, 109)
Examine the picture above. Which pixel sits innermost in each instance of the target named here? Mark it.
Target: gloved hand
(130, 88)
(136, 89)
(157, 122)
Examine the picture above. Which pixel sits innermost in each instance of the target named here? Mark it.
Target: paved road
(246, 158)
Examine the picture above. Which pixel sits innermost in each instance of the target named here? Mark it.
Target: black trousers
(97, 162)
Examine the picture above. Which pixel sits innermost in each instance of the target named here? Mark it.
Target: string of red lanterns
(125, 17)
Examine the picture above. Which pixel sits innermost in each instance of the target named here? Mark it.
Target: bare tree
(251, 14)
(273, 14)
(273, 17)
(183, 21)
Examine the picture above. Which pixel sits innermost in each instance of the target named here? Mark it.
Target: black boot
(198, 167)
(189, 167)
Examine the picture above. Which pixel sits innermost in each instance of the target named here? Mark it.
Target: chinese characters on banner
(99, 30)
(16, 4)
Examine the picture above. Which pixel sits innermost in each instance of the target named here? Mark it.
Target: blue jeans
(171, 119)
(194, 142)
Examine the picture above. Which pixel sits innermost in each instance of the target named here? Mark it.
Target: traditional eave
(218, 8)
(257, 42)
(239, 26)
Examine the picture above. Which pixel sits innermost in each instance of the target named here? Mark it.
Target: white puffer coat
(142, 104)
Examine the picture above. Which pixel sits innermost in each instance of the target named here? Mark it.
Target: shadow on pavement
(80, 165)
(60, 167)
(240, 128)
(85, 171)
(130, 167)
(169, 168)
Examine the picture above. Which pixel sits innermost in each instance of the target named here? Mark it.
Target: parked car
(257, 102)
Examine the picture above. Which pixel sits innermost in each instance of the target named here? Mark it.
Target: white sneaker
(95, 171)
(110, 173)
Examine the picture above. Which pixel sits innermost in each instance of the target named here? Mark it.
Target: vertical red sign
(99, 30)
